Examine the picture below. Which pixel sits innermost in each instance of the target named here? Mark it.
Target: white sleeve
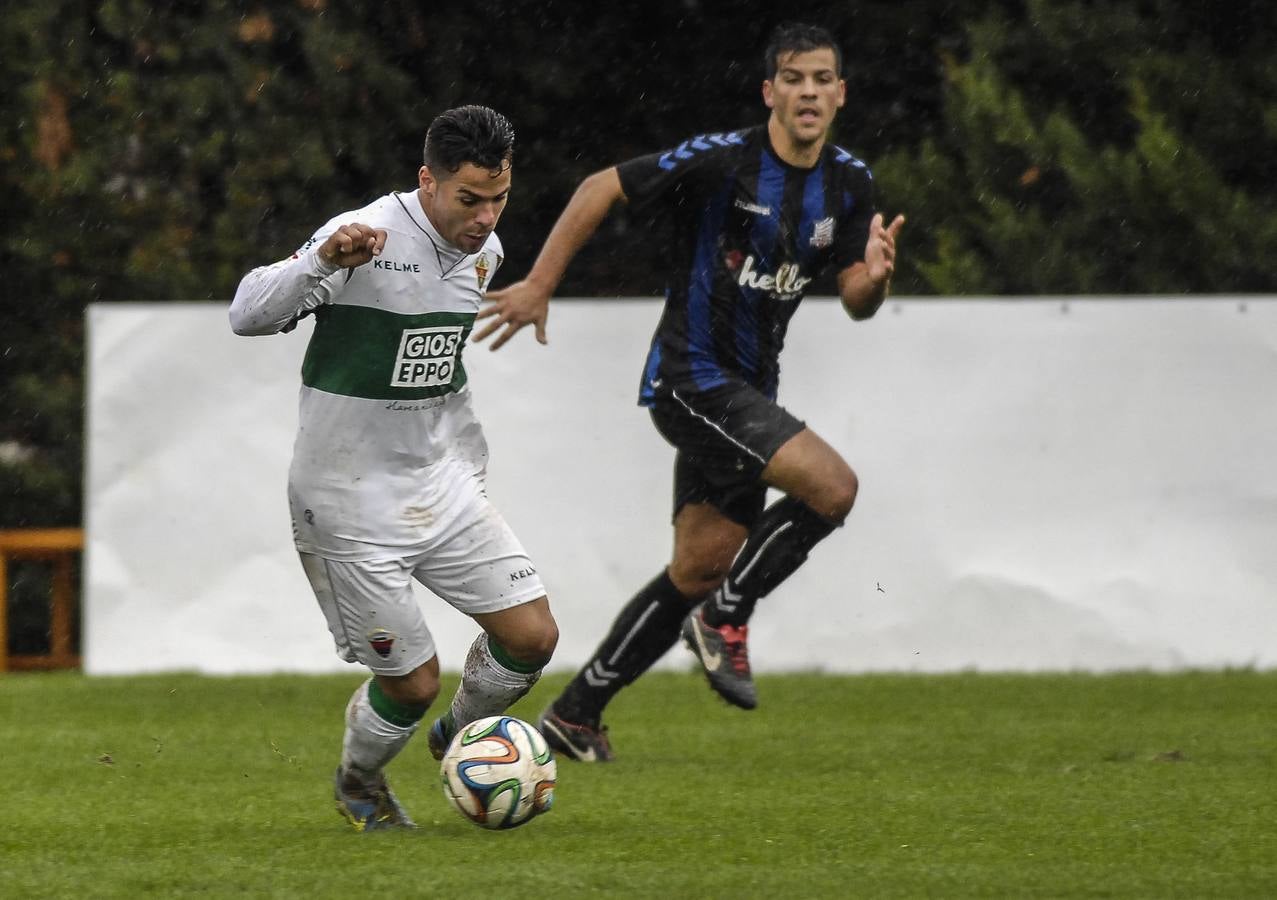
(269, 298)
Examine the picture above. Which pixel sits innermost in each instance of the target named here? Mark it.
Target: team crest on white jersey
(823, 234)
(427, 357)
(481, 269)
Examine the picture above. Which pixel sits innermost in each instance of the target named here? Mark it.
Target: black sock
(641, 634)
(777, 545)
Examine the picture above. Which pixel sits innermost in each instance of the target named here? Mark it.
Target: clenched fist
(352, 245)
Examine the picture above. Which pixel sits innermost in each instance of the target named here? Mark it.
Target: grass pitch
(1131, 785)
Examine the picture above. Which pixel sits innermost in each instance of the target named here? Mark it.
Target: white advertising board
(1046, 484)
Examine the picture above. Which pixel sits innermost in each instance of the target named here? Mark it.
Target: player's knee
(418, 688)
(839, 497)
(535, 642)
(543, 641)
(697, 579)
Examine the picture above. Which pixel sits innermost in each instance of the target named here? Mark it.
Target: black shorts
(724, 437)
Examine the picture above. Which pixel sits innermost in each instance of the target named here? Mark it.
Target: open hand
(880, 250)
(522, 303)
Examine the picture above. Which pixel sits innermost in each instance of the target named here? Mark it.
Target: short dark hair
(469, 134)
(795, 37)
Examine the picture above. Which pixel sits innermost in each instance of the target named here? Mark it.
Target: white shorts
(372, 613)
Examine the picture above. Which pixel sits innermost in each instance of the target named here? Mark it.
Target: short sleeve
(858, 208)
(682, 171)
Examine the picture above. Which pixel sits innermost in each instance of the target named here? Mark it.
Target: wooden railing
(58, 546)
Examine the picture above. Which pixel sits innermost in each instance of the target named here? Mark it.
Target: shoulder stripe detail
(688, 149)
(845, 156)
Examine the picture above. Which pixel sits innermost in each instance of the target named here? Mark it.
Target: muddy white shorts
(479, 567)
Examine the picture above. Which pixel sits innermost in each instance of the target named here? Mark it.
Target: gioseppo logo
(427, 357)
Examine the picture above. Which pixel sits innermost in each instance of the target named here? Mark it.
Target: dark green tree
(1096, 148)
(156, 152)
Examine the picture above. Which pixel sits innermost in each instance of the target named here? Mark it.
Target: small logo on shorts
(522, 574)
(381, 641)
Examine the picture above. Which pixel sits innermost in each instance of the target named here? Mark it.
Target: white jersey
(386, 436)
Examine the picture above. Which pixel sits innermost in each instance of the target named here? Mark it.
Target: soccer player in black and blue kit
(755, 215)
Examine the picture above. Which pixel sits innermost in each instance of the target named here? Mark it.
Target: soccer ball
(499, 772)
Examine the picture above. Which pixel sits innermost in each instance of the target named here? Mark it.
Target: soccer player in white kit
(387, 476)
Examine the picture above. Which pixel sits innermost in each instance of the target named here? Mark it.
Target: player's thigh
(729, 433)
(725, 437)
(736, 496)
(479, 567)
(371, 612)
(808, 468)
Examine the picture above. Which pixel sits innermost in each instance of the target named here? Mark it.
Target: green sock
(502, 656)
(391, 710)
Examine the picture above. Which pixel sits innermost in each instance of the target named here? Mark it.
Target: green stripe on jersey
(357, 351)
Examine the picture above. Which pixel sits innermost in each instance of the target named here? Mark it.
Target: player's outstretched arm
(527, 302)
(863, 286)
(270, 298)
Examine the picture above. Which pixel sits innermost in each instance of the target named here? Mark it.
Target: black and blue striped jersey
(749, 232)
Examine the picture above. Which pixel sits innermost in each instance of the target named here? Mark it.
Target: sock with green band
(491, 681)
(505, 660)
(377, 728)
(391, 710)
